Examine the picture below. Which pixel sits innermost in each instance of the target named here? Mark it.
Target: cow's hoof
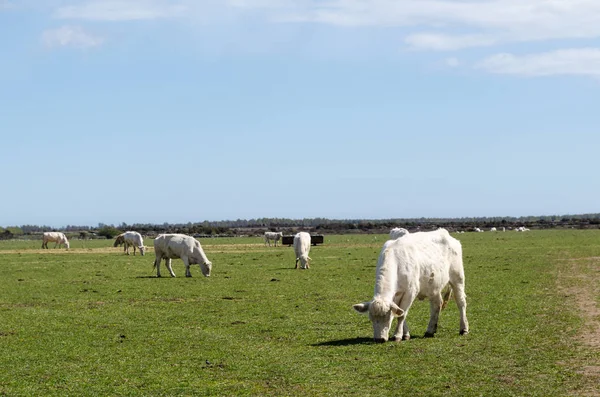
(428, 335)
(406, 337)
(464, 331)
(380, 340)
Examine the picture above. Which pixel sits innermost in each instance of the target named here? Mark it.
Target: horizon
(154, 111)
(517, 218)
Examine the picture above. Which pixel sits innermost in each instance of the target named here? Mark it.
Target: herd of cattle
(410, 266)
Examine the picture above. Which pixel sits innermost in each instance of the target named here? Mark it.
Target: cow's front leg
(435, 306)
(401, 332)
(186, 262)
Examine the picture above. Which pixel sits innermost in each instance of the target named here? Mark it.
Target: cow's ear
(361, 307)
(396, 311)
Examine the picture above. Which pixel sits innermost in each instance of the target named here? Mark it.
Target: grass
(92, 321)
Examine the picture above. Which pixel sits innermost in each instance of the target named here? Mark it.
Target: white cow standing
(419, 265)
(133, 239)
(168, 246)
(301, 249)
(273, 236)
(56, 237)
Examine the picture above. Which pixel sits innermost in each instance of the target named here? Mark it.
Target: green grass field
(92, 321)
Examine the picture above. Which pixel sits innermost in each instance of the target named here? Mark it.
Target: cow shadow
(346, 342)
(358, 341)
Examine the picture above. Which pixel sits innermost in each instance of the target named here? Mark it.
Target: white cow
(419, 265)
(301, 249)
(133, 239)
(273, 236)
(168, 246)
(478, 230)
(56, 237)
(397, 232)
(493, 229)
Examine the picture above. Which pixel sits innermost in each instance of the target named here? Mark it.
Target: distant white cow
(273, 236)
(57, 237)
(478, 230)
(493, 229)
(419, 265)
(168, 246)
(134, 239)
(301, 249)
(521, 229)
(397, 232)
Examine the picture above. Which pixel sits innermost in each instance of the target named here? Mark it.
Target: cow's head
(142, 250)
(206, 267)
(67, 244)
(381, 314)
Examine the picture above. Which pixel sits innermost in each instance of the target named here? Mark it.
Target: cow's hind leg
(157, 265)
(168, 264)
(435, 306)
(461, 301)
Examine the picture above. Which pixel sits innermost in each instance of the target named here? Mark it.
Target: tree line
(319, 225)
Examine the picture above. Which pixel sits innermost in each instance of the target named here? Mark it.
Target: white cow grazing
(168, 246)
(134, 239)
(301, 249)
(56, 237)
(493, 229)
(397, 232)
(419, 265)
(478, 230)
(273, 236)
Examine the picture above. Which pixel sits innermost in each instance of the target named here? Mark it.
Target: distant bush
(108, 232)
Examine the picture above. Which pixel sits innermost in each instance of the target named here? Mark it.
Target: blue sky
(183, 111)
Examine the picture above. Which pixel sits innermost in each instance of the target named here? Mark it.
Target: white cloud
(121, 10)
(576, 61)
(70, 36)
(487, 22)
(452, 62)
(439, 42)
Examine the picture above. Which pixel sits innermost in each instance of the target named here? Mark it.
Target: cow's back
(421, 260)
(301, 244)
(175, 245)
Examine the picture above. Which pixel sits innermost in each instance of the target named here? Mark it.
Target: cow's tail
(446, 294)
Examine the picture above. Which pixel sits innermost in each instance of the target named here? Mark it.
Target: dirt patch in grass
(578, 280)
(73, 251)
